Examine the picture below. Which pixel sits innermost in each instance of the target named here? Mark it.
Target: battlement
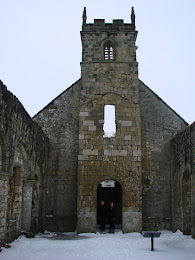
(116, 25)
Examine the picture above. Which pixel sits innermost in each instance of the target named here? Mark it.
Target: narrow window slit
(109, 121)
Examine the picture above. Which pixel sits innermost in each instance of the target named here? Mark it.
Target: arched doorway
(111, 191)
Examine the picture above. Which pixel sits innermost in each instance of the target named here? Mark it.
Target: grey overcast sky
(40, 47)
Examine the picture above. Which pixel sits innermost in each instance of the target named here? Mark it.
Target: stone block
(83, 157)
(107, 152)
(123, 153)
(132, 220)
(84, 113)
(126, 123)
(137, 153)
(92, 128)
(90, 152)
(81, 137)
(95, 152)
(115, 152)
(88, 122)
(87, 151)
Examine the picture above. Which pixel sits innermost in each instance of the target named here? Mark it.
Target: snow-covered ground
(170, 246)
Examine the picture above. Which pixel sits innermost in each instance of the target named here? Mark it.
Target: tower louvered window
(108, 51)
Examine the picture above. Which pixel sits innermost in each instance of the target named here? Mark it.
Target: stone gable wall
(60, 121)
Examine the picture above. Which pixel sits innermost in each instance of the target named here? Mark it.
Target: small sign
(152, 235)
(108, 184)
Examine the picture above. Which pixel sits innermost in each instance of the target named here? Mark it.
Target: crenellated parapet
(116, 25)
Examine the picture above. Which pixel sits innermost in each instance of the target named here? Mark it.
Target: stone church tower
(56, 168)
(109, 73)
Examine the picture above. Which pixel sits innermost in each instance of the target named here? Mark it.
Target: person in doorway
(102, 216)
(112, 217)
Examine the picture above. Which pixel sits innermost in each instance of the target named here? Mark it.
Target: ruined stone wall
(60, 120)
(159, 124)
(24, 151)
(182, 156)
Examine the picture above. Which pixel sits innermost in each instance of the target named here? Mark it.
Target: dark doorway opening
(111, 191)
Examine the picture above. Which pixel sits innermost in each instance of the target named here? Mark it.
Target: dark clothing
(102, 216)
(112, 218)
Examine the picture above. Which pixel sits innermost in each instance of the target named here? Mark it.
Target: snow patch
(118, 246)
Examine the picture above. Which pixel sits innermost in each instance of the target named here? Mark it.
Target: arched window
(108, 51)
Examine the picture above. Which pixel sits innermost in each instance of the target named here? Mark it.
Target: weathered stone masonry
(137, 156)
(60, 120)
(23, 168)
(159, 123)
(51, 166)
(182, 158)
(107, 82)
